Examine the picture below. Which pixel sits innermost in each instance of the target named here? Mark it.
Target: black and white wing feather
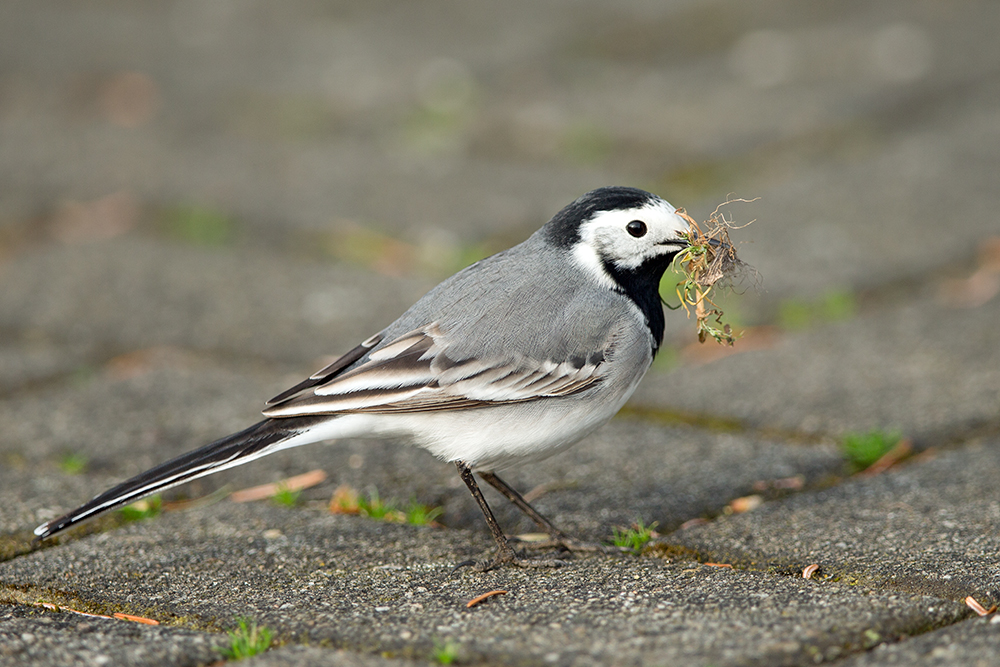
(414, 373)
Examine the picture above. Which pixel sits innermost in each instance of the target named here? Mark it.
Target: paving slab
(921, 367)
(375, 587)
(901, 206)
(29, 497)
(972, 643)
(30, 359)
(32, 636)
(312, 656)
(132, 293)
(930, 527)
(136, 409)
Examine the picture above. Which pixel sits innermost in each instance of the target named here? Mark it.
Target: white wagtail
(512, 359)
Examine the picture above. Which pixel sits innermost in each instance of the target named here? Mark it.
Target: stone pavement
(199, 202)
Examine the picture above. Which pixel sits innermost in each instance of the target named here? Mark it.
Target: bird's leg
(513, 496)
(505, 554)
(558, 537)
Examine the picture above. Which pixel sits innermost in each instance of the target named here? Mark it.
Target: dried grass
(710, 262)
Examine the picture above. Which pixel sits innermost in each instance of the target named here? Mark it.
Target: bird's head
(624, 237)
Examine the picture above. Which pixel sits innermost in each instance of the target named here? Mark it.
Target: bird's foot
(571, 544)
(509, 557)
(516, 561)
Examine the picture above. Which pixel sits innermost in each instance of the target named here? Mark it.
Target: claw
(574, 545)
(511, 559)
(464, 563)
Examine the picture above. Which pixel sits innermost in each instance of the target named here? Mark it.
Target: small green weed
(346, 500)
(864, 449)
(286, 497)
(198, 225)
(871, 638)
(421, 515)
(636, 537)
(246, 640)
(445, 652)
(376, 508)
(794, 314)
(834, 306)
(146, 508)
(72, 463)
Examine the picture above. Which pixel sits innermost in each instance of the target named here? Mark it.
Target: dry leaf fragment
(264, 491)
(718, 565)
(345, 500)
(485, 596)
(691, 523)
(533, 537)
(809, 570)
(745, 504)
(785, 483)
(136, 619)
(981, 286)
(104, 218)
(974, 605)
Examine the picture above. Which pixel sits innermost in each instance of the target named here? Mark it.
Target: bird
(509, 361)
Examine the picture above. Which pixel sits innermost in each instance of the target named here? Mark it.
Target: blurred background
(173, 172)
(201, 200)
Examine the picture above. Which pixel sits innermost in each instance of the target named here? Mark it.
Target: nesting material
(708, 263)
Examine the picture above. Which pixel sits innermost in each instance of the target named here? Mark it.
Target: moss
(673, 552)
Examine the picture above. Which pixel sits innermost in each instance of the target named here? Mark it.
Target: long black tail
(259, 440)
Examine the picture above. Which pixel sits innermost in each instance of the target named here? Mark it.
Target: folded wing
(414, 373)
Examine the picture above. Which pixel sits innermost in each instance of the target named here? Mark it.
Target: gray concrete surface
(201, 202)
(896, 367)
(381, 587)
(971, 642)
(31, 636)
(929, 527)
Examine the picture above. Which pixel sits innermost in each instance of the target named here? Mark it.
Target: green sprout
(146, 508)
(445, 652)
(421, 515)
(833, 306)
(376, 508)
(198, 225)
(864, 449)
(346, 500)
(634, 538)
(286, 497)
(246, 640)
(73, 463)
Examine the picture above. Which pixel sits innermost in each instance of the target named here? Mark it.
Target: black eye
(636, 228)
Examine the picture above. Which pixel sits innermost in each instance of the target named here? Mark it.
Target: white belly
(486, 439)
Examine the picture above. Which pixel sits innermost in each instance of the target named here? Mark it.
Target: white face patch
(605, 239)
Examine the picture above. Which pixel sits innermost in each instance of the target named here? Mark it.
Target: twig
(481, 598)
